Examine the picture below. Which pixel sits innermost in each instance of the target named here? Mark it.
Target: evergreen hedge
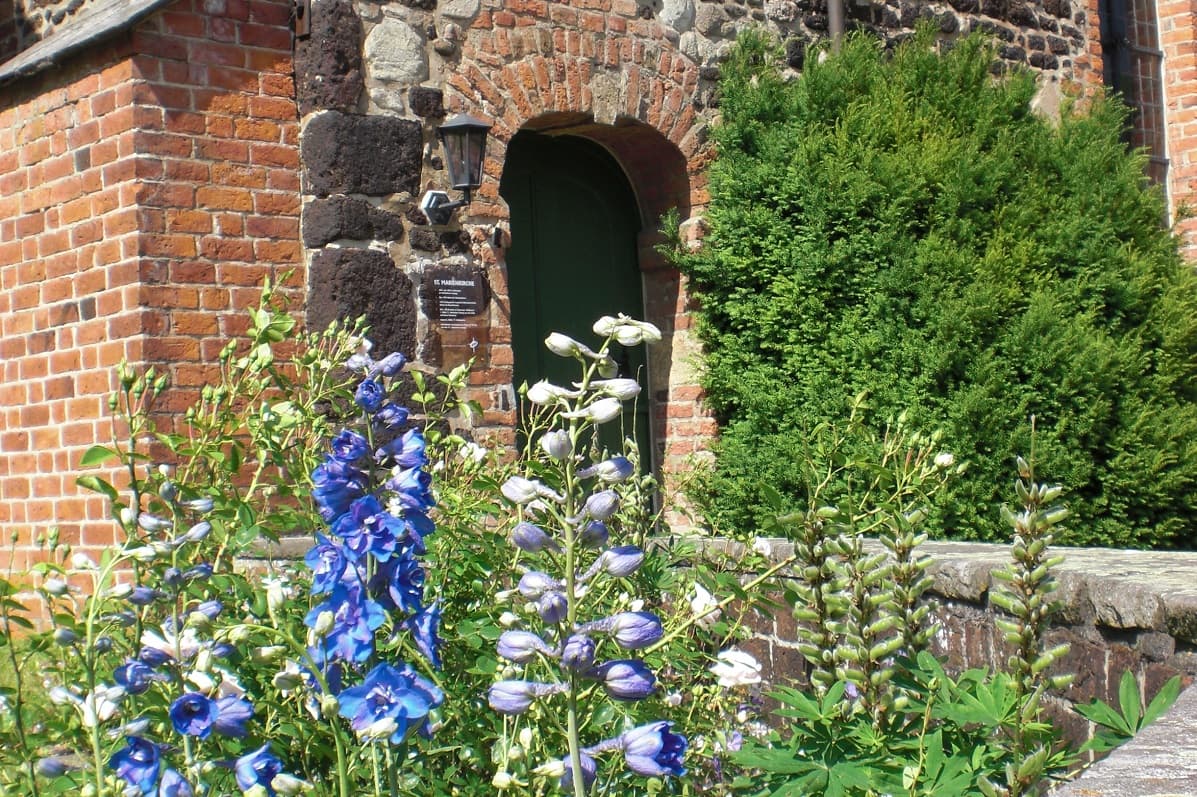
(905, 226)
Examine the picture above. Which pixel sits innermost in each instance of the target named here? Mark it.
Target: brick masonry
(636, 77)
(149, 183)
(146, 189)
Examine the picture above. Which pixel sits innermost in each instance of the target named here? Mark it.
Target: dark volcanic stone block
(326, 220)
(371, 155)
(427, 103)
(328, 63)
(347, 283)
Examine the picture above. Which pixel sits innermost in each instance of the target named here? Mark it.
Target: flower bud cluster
(565, 544)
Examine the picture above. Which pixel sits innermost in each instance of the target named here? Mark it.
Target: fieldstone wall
(1118, 610)
(639, 77)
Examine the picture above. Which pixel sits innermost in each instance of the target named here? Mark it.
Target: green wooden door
(573, 258)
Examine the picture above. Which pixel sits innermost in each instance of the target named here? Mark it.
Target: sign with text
(453, 295)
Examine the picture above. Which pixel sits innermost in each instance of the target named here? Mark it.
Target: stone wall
(1119, 611)
(636, 76)
(147, 186)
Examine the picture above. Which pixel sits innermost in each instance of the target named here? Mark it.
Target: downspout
(835, 23)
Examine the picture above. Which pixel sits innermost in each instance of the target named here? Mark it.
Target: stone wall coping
(1120, 589)
(1161, 761)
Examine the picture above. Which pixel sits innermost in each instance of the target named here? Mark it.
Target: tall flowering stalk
(572, 563)
(373, 492)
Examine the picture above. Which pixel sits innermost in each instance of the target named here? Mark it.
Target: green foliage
(907, 228)
(881, 715)
(1120, 724)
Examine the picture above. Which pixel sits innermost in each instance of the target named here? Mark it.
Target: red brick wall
(145, 190)
(1178, 40)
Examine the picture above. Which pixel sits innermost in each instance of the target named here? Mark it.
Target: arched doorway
(573, 258)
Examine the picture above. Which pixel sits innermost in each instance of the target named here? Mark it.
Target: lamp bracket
(437, 206)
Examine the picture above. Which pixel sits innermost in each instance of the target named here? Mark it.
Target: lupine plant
(564, 659)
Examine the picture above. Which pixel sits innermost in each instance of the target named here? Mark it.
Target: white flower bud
(286, 681)
(551, 769)
(563, 345)
(285, 784)
(556, 444)
(329, 707)
(525, 737)
(622, 389)
(81, 561)
(944, 459)
(501, 780)
(379, 729)
(545, 392)
(509, 619)
(324, 623)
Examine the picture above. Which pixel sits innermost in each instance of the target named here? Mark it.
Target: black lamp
(463, 142)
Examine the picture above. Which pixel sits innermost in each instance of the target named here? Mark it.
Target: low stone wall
(1119, 611)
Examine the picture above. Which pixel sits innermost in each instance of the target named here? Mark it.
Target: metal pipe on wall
(835, 23)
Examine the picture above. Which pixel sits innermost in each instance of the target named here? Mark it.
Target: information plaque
(453, 295)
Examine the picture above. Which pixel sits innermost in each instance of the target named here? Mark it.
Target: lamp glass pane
(454, 143)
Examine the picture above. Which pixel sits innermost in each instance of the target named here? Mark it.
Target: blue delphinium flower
(398, 583)
(390, 694)
(367, 529)
(406, 451)
(626, 679)
(138, 764)
(369, 395)
(349, 446)
(174, 785)
(425, 628)
(136, 676)
(355, 618)
(327, 562)
(391, 415)
(258, 768)
(193, 714)
(653, 751)
(336, 485)
(232, 713)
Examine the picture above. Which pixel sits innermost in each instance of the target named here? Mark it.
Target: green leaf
(97, 455)
(97, 485)
(1128, 700)
(1162, 701)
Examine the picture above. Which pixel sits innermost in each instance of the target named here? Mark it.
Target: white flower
(736, 668)
(673, 699)
(56, 586)
(101, 705)
(188, 643)
(703, 605)
(944, 459)
(550, 769)
(627, 331)
(509, 619)
(81, 561)
(556, 444)
(472, 452)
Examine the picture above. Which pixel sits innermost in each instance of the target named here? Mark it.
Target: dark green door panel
(573, 256)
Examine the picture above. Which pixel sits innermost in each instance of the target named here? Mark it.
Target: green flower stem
(342, 761)
(89, 666)
(575, 435)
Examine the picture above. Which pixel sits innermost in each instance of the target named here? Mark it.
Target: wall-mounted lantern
(463, 142)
